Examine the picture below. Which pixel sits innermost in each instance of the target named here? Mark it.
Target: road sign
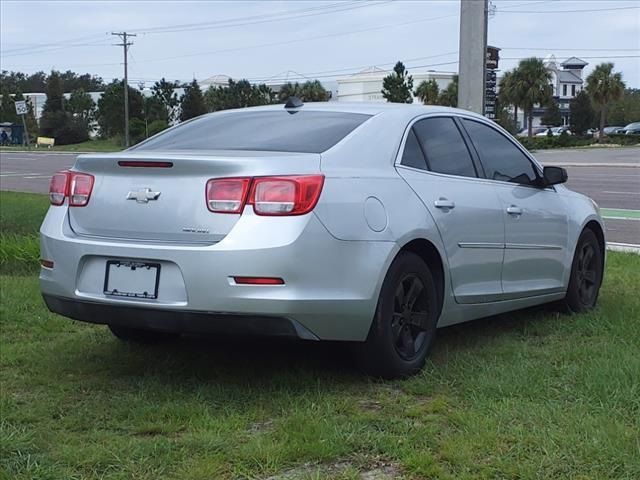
(21, 107)
(492, 57)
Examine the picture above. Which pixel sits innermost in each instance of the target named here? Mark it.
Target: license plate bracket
(132, 279)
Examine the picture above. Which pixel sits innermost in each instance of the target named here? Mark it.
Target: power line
(272, 18)
(239, 19)
(551, 49)
(32, 46)
(287, 42)
(572, 11)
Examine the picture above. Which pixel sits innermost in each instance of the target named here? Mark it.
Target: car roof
(365, 108)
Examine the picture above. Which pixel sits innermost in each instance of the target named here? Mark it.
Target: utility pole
(125, 44)
(473, 51)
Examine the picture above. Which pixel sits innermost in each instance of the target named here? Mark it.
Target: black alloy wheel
(410, 315)
(586, 274)
(404, 324)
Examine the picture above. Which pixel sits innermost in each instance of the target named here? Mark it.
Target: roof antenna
(293, 102)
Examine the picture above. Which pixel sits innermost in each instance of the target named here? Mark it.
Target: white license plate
(132, 279)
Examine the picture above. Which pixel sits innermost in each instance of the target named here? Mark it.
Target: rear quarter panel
(365, 200)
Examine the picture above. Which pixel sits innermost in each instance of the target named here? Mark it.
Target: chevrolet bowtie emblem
(143, 195)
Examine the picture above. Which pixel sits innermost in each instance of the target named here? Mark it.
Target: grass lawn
(100, 145)
(528, 395)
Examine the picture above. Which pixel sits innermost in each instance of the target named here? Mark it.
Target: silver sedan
(367, 223)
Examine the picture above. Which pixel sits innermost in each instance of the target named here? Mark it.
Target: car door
(439, 167)
(536, 223)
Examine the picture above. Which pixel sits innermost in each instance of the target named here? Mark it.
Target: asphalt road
(611, 176)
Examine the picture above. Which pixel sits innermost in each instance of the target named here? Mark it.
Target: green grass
(532, 394)
(20, 218)
(100, 145)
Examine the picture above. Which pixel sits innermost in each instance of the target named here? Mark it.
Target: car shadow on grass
(289, 363)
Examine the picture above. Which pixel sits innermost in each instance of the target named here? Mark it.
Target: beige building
(366, 86)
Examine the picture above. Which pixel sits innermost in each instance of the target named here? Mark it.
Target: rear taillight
(76, 186)
(80, 187)
(276, 196)
(291, 195)
(227, 195)
(58, 188)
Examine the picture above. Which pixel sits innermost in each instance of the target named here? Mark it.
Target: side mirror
(554, 175)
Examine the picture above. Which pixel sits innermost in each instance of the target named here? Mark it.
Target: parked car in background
(632, 129)
(557, 131)
(613, 130)
(536, 131)
(543, 132)
(368, 223)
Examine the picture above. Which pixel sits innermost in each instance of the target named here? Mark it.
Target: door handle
(444, 203)
(514, 210)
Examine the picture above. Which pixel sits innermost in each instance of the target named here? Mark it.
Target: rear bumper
(330, 292)
(177, 321)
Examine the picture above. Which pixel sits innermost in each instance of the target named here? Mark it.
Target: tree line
(603, 101)
(70, 120)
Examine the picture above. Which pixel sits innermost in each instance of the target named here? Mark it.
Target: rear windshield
(277, 131)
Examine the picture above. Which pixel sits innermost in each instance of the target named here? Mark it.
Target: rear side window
(277, 131)
(501, 159)
(444, 147)
(412, 155)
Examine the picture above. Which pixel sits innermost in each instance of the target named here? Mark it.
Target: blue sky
(324, 39)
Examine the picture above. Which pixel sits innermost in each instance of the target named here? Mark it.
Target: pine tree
(192, 102)
(583, 116)
(552, 115)
(397, 86)
(55, 94)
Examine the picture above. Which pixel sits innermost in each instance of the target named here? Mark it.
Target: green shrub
(623, 139)
(157, 126)
(64, 127)
(562, 141)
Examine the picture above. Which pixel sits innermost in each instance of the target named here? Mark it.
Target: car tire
(137, 335)
(586, 274)
(405, 321)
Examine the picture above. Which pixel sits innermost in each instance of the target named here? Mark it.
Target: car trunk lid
(160, 197)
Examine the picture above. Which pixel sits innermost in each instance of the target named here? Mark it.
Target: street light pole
(125, 44)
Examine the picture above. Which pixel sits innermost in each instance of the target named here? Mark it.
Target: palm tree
(604, 87)
(449, 96)
(313, 91)
(507, 94)
(289, 90)
(428, 92)
(532, 87)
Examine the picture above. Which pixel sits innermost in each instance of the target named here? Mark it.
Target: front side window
(501, 159)
(444, 147)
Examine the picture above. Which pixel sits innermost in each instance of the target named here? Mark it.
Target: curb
(583, 164)
(44, 152)
(623, 247)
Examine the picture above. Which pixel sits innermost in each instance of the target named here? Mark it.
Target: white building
(366, 86)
